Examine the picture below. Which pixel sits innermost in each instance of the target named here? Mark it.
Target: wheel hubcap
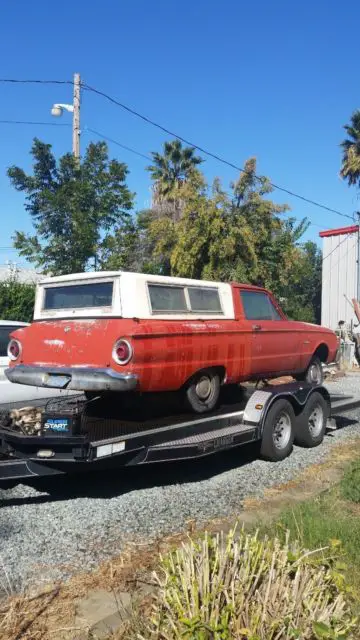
(316, 420)
(282, 431)
(204, 388)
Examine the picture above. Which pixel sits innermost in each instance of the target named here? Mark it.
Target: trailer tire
(203, 391)
(278, 432)
(310, 424)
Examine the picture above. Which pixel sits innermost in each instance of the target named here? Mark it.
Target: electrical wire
(209, 153)
(104, 137)
(19, 81)
(341, 258)
(142, 155)
(119, 144)
(48, 124)
(337, 246)
(171, 133)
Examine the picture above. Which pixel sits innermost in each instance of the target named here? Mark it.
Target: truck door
(274, 341)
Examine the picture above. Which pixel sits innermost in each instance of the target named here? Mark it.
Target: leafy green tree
(350, 168)
(222, 236)
(75, 207)
(16, 300)
(171, 171)
(241, 236)
(300, 294)
(132, 247)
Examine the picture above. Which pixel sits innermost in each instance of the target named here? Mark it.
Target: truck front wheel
(314, 374)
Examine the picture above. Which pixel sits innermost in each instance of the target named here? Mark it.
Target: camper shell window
(78, 296)
(182, 299)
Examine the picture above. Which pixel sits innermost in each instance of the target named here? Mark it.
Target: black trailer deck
(79, 436)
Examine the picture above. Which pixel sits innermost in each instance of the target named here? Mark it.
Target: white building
(339, 275)
(11, 270)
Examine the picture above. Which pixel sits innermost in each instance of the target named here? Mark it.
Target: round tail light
(14, 349)
(122, 351)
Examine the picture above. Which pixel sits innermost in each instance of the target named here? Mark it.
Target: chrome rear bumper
(80, 379)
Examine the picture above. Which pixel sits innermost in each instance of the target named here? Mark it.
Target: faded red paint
(168, 352)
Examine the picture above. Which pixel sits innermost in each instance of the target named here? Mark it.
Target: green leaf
(321, 630)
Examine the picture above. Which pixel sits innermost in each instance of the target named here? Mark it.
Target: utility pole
(74, 108)
(76, 116)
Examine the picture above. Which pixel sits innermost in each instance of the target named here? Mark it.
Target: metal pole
(76, 116)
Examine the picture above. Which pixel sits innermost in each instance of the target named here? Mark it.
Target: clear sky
(274, 78)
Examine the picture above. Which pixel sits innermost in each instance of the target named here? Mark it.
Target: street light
(58, 108)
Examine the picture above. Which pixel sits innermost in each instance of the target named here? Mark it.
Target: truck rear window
(79, 296)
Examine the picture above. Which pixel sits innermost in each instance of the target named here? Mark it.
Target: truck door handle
(256, 327)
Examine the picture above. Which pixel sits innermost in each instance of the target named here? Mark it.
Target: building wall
(339, 278)
(29, 276)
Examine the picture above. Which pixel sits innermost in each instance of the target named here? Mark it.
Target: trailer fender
(262, 400)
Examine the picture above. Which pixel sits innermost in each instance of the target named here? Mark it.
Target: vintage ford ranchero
(118, 331)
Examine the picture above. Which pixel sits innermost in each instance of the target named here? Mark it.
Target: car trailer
(79, 435)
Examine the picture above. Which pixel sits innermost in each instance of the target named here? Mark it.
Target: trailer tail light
(14, 349)
(122, 351)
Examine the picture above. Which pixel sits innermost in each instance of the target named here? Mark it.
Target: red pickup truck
(119, 332)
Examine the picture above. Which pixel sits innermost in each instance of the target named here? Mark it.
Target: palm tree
(172, 168)
(350, 168)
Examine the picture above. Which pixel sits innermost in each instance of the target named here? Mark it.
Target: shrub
(16, 300)
(246, 588)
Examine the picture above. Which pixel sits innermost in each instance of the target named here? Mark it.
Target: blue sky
(275, 79)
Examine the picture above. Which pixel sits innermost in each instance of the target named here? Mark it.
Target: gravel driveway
(53, 538)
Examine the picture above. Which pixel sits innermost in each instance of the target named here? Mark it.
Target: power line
(209, 153)
(48, 124)
(19, 81)
(337, 246)
(171, 133)
(142, 155)
(336, 264)
(119, 144)
(104, 137)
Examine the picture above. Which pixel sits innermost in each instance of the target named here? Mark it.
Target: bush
(350, 484)
(16, 300)
(246, 588)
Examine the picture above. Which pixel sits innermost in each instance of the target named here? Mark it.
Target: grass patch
(329, 520)
(350, 484)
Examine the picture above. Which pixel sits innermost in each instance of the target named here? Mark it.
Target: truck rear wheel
(311, 422)
(203, 391)
(279, 430)
(314, 374)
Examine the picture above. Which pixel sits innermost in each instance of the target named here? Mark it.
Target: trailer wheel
(203, 391)
(311, 422)
(279, 430)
